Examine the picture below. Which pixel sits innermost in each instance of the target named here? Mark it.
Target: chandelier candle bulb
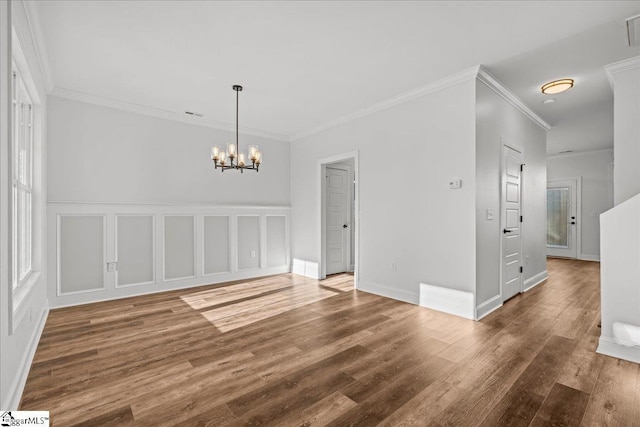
(241, 161)
(252, 152)
(215, 151)
(221, 157)
(231, 150)
(258, 157)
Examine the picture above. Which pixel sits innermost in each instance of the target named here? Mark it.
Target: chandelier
(233, 158)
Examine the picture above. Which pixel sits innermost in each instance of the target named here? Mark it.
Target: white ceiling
(305, 64)
(581, 118)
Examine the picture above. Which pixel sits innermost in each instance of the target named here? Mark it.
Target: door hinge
(521, 269)
(522, 167)
(520, 218)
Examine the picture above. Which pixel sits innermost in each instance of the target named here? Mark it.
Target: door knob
(505, 231)
(345, 226)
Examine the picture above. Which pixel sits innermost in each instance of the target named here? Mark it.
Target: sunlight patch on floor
(225, 294)
(244, 313)
(240, 304)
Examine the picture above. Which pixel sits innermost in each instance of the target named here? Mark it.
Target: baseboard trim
(128, 292)
(488, 307)
(451, 301)
(585, 257)
(385, 291)
(14, 395)
(534, 281)
(609, 347)
(305, 268)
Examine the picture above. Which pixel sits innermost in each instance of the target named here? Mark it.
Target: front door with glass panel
(562, 218)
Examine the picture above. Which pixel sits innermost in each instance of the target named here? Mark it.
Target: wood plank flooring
(290, 351)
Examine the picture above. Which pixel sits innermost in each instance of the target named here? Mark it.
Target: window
(22, 181)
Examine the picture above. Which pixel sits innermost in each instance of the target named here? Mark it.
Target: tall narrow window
(22, 181)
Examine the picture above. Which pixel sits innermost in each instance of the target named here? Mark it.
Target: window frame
(22, 188)
(31, 186)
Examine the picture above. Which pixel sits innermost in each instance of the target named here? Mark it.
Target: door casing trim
(321, 185)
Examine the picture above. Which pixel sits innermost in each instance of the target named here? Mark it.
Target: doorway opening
(339, 234)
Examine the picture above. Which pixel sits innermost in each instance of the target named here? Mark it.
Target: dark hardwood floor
(286, 350)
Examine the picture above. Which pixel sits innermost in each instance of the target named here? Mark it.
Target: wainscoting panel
(216, 244)
(179, 247)
(276, 240)
(81, 259)
(104, 251)
(135, 250)
(248, 242)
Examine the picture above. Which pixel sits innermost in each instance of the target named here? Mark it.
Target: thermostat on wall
(454, 184)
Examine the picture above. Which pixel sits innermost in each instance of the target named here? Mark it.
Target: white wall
(100, 154)
(624, 77)
(597, 192)
(620, 233)
(407, 155)
(620, 276)
(498, 120)
(18, 341)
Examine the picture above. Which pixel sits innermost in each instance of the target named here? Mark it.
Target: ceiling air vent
(633, 30)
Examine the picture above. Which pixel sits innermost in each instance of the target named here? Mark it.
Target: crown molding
(478, 72)
(446, 82)
(35, 29)
(166, 205)
(620, 66)
(159, 113)
(485, 77)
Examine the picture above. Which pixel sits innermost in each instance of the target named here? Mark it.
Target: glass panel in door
(558, 211)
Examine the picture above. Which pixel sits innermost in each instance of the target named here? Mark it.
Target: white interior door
(562, 221)
(511, 276)
(337, 215)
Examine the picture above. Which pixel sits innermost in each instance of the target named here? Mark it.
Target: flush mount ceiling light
(225, 159)
(557, 86)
